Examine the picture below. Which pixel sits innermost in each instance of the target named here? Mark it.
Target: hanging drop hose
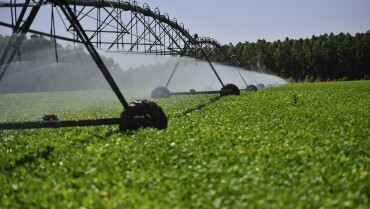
(250, 71)
(260, 70)
(233, 56)
(173, 72)
(213, 68)
(237, 61)
(197, 44)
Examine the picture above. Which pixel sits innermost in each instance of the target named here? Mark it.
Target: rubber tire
(143, 108)
(260, 86)
(229, 89)
(252, 88)
(160, 92)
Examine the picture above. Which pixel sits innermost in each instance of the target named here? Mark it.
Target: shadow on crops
(30, 158)
(187, 111)
(198, 107)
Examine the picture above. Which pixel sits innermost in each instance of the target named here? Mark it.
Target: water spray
(146, 32)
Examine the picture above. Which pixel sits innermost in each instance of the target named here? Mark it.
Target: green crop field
(258, 150)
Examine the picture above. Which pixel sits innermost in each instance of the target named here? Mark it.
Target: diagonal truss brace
(19, 34)
(66, 9)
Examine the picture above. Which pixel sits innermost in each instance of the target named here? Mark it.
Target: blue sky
(250, 20)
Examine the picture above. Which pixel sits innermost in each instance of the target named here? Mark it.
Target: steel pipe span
(189, 49)
(178, 39)
(126, 6)
(192, 45)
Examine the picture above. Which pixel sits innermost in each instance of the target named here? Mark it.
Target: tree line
(319, 58)
(37, 68)
(322, 58)
(39, 48)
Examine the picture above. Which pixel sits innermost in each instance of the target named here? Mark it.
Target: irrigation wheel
(251, 88)
(161, 92)
(143, 114)
(229, 89)
(260, 86)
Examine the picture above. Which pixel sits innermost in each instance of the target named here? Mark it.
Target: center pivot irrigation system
(114, 26)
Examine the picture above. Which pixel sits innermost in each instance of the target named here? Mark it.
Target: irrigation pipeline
(141, 13)
(234, 58)
(169, 36)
